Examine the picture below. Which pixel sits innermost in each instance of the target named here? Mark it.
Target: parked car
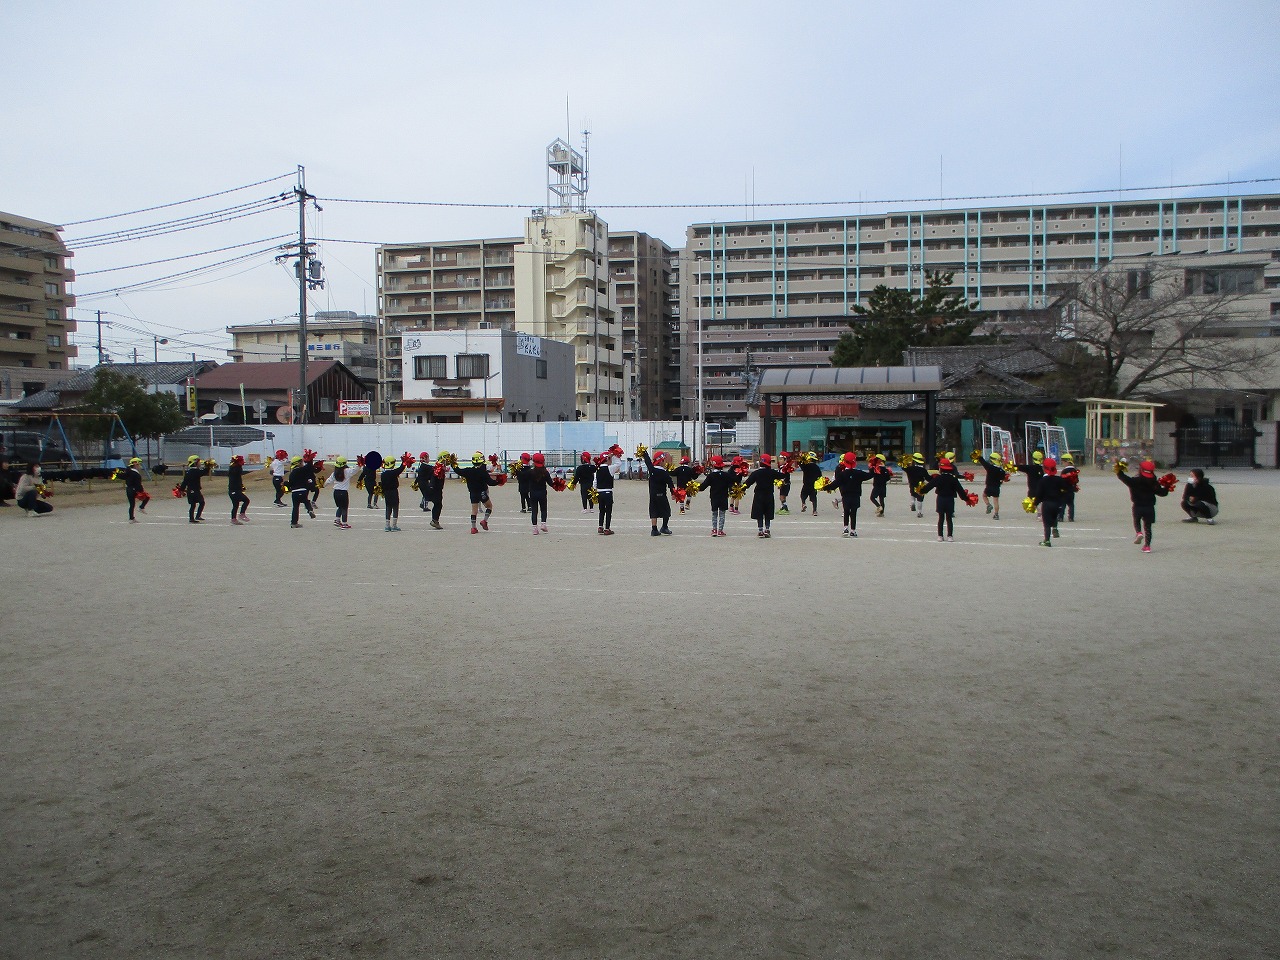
(29, 446)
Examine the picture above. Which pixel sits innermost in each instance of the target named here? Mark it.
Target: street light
(155, 346)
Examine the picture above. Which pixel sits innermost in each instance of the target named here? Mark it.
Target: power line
(821, 203)
(175, 276)
(185, 256)
(177, 226)
(177, 203)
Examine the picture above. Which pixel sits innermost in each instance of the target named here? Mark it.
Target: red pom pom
(968, 476)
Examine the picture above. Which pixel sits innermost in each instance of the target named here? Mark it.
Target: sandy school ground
(264, 742)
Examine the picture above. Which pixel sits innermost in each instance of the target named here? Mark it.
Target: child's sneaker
(544, 528)
(535, 531)
(1210, 521)
(951, 539)
(996, 517)
(1146, 549)
(853, 534)
(484, 524)
(474, 530)
(1055, 532)
(1138, 538)
(235, 522)
(387, 528)
(435, 525)
(653, 532)
(1046, 543)
(783, 509)
(990, 508)
(337, 523)
(846, 532)
(940, 539)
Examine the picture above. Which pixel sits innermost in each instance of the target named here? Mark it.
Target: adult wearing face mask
(1199, 499)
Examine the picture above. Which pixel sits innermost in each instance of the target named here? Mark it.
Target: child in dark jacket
(235, 490)
(848, 480)
(190, 485)
(660, 482)
(133, 491)
(764, 478)
(1143, 490)
(717, 482)
(946, 487)
(478, 480)
(390, 482)
(301, 483)
(1049, 498)
(917, 477)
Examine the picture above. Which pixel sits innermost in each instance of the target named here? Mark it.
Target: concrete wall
(460, 438)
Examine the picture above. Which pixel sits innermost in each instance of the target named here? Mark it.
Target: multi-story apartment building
(562, 293)
(780, 292)
(35, 295)
(454, 285)
(551, 283)
(643, 291)
(341, 335)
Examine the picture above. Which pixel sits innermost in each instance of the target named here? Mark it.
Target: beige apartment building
(455, 285)
(780, 292)
(35, 297)
(645, 283)
(341, 335)
(556, 282)
(562, 293)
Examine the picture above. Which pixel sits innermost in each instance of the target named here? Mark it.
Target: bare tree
(1139, 329)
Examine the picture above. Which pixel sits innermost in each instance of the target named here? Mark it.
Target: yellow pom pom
(1029, 504)
(821, 483)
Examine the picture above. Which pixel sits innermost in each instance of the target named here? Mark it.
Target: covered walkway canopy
(779, 383)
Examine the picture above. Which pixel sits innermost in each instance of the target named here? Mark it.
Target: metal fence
(1217, 444)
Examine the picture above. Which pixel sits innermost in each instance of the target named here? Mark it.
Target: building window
(51, 313)
(472, 366)
(54, 340)
(1140, 284)
(430, 368)
(51, 289)
(540, 369)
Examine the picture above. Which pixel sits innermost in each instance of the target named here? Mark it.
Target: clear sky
(110, 107)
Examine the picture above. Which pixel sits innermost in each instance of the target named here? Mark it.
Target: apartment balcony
(15, 238)
(26, 347)
(17, 318)
(26, 265)
(21, 291)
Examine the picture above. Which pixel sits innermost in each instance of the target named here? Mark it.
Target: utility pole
(308, 271)
(100, 353)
